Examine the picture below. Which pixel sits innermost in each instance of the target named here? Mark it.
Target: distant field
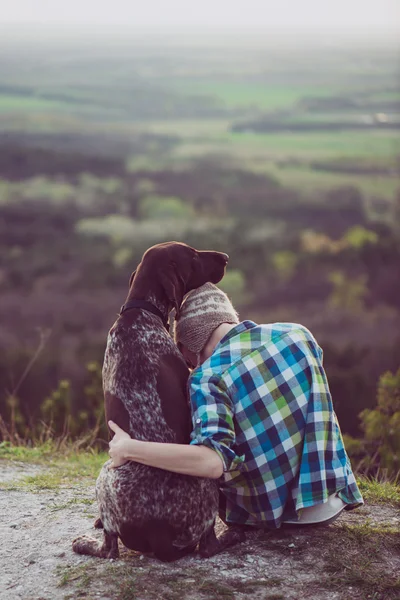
(341, 143)
(393, 95)
(308, 181)
(195, 98)
(264, 96)
(30, 105)
(262, 152)
(244, 94)
(379, 145)
(10, 104)
(214, 136)
(300, 176)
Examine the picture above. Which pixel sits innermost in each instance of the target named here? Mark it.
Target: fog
(367, 17)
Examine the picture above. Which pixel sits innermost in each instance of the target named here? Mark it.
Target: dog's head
(176, 268)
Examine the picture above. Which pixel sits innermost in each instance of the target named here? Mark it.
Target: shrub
(164, 207)
(380, 448)
(381, 425)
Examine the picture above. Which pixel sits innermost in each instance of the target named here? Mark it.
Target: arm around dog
(198, 461)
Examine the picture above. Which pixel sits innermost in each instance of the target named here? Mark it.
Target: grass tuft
(131, 581)
(359, 557)
(71, 502)
(381, 492)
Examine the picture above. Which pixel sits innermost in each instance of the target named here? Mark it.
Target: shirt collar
(239, 328)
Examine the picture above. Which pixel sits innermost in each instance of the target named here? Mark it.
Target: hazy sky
(361, 16)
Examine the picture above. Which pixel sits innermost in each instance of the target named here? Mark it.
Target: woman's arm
(199, 461)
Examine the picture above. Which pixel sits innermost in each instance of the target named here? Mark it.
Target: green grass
(82, 575)
(36, 454)
(9, 103)
(201, 137)
(384, 492)
(139, 579)
(72, 502)
(63, 467)
(260, 153)
(233, 94)
(25, 106)
(393, 95)
(308, 180)
(255, 152)
(361, 561)
(321, 144)
(190, 129)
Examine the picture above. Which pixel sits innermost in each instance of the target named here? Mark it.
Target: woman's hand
(117, 446)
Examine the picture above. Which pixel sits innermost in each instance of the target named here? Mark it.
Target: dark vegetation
(272, 126)
(91, 180)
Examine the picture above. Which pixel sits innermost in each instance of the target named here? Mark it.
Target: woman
(263, 420)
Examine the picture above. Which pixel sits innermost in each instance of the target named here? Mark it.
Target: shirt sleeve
(212, 414)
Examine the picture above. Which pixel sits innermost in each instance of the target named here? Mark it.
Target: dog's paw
(91, 547)
(232, 536)
(86, 545)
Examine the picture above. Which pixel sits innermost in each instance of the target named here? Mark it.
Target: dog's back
(145, 380)
(145, 384)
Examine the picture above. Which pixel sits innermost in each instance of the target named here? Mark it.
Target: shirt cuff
(230, 460)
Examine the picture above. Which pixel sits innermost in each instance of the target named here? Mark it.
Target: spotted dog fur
(145, 389)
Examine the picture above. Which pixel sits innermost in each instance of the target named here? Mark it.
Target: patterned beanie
(202, 311)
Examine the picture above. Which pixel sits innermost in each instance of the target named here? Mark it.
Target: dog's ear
(174, 288)
(132, 278)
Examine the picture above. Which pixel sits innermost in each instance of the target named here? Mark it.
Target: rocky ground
(357, 557)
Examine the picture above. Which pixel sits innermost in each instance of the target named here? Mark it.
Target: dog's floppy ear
(132, 278)
(174, 288)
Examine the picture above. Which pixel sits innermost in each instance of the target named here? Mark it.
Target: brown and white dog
(145, 390)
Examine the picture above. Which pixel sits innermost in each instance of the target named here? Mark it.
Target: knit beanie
(202, 311)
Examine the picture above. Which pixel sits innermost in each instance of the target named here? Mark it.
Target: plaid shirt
(262, 402)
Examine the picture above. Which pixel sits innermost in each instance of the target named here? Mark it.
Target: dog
(145, 390)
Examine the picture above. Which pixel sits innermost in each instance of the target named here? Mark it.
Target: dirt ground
(37, 563)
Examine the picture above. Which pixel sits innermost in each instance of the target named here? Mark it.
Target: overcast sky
(360, 16)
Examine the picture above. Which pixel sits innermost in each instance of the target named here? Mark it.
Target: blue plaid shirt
(262, 402)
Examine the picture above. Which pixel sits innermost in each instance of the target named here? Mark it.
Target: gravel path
(37, 563)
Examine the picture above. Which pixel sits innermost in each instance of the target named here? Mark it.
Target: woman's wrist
(128, 449)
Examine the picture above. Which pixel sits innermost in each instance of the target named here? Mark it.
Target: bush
(380, 450)
(381, 425)
(164, 207)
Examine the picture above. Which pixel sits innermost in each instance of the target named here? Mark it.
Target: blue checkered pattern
(262, 402)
